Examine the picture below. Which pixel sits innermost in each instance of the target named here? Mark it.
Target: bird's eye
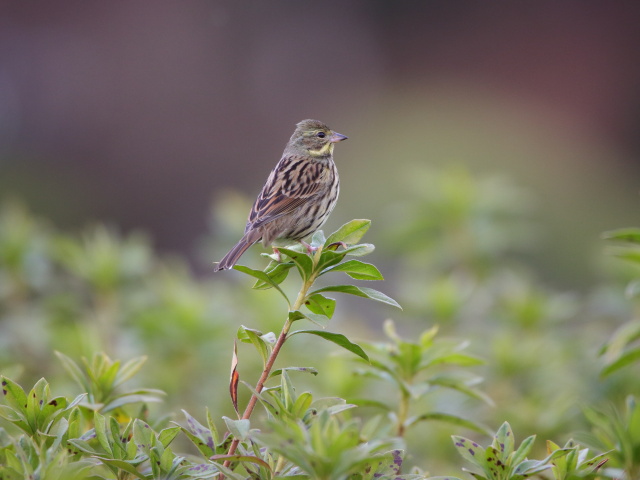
(321, 134)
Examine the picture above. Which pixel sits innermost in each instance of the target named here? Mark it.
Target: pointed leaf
(14, 395)
(74, 370)
(279, 371)
(100, 423)
(338, 339)
(256, 338)
(302, 261)
(129, 369)
(201, 437)
(360, 292)
(631, 235)
(450, 419)
(320, 320)
(349, 233)
(260, 275)
(357, 269)
(277, 272)
(627, 358)
(504, 442)
(523, 450)
(238, 428)
(321, 305)
(469, 450)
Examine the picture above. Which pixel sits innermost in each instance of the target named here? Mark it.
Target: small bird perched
(299, 195)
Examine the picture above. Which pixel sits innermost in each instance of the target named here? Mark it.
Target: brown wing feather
(280, 194)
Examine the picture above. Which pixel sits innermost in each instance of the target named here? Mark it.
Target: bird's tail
(230, 259)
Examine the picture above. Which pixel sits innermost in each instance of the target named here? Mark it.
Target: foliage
(386, 417)
(503, 461)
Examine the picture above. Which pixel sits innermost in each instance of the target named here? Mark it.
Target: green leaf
(279, 371)
(10, 414)
(238, 428)
(277, 272)
(359, 250)
(100, 423)
(523, 450)
(321, 305)
(242, 458)
(504, 442)
(128, 370)
(125, 466)
(318, 239)
(454, 383)
(256, 338)
(469, 450)
(260, 275)
(167, 435)
(338, 339)
(356, 269)
(367, 402)
(318, 319)
(627, 358)
(360, 292)
(129, 398)
(14, 395)
(349, 233)
(631, 235)
(201, 437)
(450, 419)
(302, 261)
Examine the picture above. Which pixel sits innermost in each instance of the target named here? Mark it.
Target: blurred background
(490, 143)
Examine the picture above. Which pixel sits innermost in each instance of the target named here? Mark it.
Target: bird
(299, 194)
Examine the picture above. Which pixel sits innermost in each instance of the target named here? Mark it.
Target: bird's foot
(277, 254)
(310, 249)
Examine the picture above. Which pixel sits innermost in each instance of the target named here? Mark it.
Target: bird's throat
(326, 150)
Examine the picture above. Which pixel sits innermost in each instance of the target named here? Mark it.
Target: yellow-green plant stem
(403, 413)
(297, 305)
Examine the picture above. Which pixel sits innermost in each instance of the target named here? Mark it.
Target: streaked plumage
(299, 194)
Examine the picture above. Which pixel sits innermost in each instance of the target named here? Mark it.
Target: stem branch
(302, 295)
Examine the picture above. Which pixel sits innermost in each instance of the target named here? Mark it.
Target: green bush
(509, 347)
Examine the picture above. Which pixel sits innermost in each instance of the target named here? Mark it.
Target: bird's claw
(310, 249)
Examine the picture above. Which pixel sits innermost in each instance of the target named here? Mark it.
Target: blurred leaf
(631, 235)
(360, 292)
(336, 338)
(311, 370)
(630, 356)
(450, 419)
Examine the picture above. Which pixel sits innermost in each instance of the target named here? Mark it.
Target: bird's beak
(337, 137)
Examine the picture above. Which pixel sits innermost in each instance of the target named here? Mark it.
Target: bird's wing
(292, 182)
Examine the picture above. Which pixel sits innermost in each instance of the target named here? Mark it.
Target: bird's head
(314, 138)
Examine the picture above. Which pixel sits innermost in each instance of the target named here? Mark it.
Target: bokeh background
(517, 123)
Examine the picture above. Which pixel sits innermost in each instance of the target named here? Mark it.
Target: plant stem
(302, 296)
(403, 413)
